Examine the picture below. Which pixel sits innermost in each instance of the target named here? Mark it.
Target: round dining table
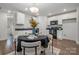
(43, 38)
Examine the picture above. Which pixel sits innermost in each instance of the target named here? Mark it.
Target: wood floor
(67, 47)
(3, 49)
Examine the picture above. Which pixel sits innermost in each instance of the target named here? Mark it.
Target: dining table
(42, 38)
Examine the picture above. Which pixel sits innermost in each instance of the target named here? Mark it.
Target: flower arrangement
(33, 23)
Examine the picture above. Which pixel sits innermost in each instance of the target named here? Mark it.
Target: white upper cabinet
(20, 18)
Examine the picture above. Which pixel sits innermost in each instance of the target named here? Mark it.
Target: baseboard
(77, 42)
(59, 39)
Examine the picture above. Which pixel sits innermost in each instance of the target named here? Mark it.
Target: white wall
(59, 18)
(3, 26)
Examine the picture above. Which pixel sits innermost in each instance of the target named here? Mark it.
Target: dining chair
(34, 45)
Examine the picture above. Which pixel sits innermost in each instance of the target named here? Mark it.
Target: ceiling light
(9, 11)
(34, 9)
(65, 10)
(26, 9)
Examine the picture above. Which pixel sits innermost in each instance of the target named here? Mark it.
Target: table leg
(35, 50)
(23, 50)
(15, 47)
(44, 52)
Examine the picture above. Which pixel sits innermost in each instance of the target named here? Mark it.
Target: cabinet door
(20, 18)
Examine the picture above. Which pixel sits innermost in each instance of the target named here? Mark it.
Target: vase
(33, 31)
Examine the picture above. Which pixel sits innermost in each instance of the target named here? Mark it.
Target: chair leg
(15, 47)
(44, 52)
(35, 50)
(23, 50)
(52, 46)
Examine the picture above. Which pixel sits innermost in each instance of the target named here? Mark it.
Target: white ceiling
(45, 8)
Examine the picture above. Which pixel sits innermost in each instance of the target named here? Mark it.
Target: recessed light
(26, 9)
(64, 9)
(9, 11)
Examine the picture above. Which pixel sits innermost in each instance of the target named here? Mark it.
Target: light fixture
(9, 11)
(64, 9)
(34, 9)
(26, 9)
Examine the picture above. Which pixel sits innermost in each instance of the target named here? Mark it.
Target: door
(69, 29)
